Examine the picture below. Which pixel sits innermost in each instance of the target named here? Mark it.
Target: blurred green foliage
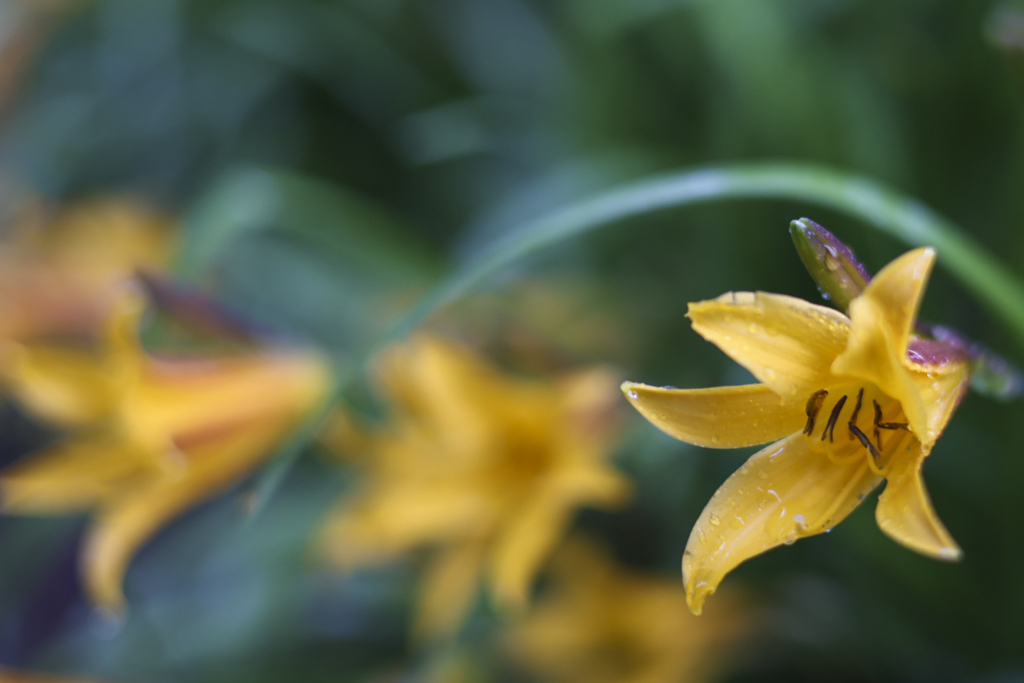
(330, 159)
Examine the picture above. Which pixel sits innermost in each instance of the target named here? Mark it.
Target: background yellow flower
(601, 623)
(483, 468)
(155, 436)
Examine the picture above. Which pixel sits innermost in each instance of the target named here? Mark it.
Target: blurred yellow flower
(856, 399)
(62, 276)
(602, 624)
(157, 435)
(483, 468)
(22, 676)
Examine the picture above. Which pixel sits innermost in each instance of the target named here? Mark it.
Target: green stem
(883, 208)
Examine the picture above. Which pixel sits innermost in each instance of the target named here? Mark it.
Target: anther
(852, 424)
(878, 421)
(832, 419)
(813, 406)
(863, 438)
(885, 425)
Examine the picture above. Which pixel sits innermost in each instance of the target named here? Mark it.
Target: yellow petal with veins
(721, 417)
(127, 522)
(905, 511)
(881, 321)
(74, 476)
(785, 342)
(782, 493)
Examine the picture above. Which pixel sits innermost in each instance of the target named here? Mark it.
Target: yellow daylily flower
(62, 275)
(603, 624)
(158, 435)
(847, 401)
(483, 468)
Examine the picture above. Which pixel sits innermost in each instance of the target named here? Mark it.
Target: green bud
(993, 377)
(838, 273)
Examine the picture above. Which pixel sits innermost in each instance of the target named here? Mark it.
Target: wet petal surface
(721, 417)
(784, 492)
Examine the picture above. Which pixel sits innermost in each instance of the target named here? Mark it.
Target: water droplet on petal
(714, 520)
(632, 394)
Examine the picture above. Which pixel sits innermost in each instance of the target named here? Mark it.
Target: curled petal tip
(950, 554)
(696, 595)
(628, 388)
(833, 265)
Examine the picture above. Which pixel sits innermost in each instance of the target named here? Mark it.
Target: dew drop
(754, 329)
(632, 394)
(714, 520)
(762, 474)
(770, 373)
(790, 538)
(715, 438)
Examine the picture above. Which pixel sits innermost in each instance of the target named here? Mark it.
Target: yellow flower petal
(528, 537)
(940, 390)
(127, 522)
(447, 590)
(882, 319)
(783, 493)
(521, 548)
(786, 343)
(905, 511)
(73, 476)
(397, 517)
(722, 417)
(447, 389)
(63, 386)
(182, 398)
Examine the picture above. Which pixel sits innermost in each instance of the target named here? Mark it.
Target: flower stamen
(832, 419)
(885, 425)
(863, 438)
(814, 404)
(852, 424)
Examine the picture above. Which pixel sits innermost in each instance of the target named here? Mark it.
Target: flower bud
(838, 273)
